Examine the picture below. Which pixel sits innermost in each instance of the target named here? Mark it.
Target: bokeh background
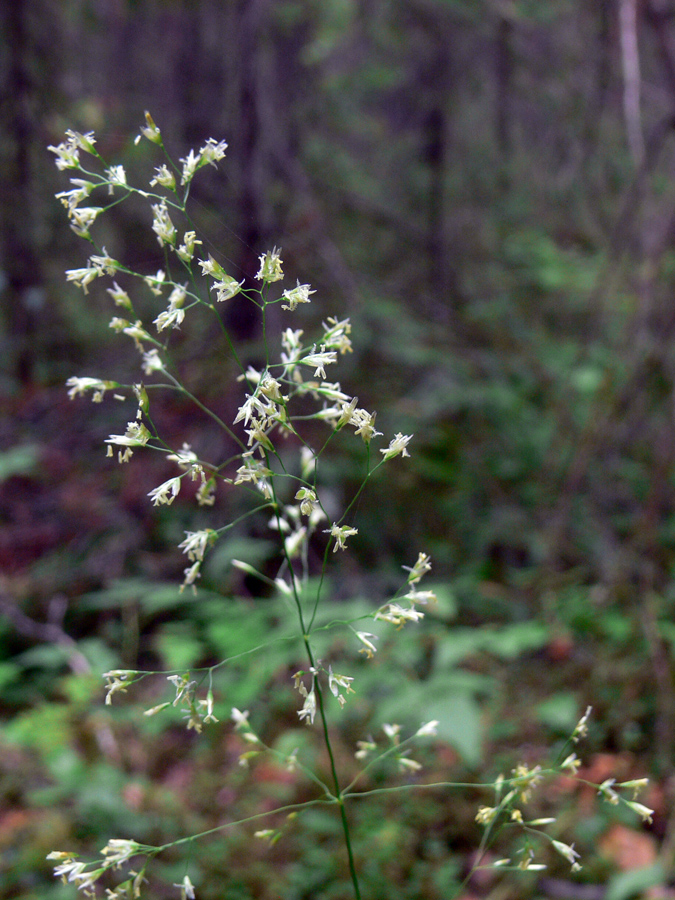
(487, 188)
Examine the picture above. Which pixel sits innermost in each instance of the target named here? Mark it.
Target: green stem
(227, 337)
(209, 412)
(336, 781)
(290, 807)
(319, 694)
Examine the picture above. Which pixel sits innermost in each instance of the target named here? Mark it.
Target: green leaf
(20, 460)
(45, 656)
(152, 597)
(637, 881)
(514, 640)
(254, 551)
(560, 712)
(452, 701)
(459, 723)
(178, 646)
(9, 672)
(46, 728)
(446, 603)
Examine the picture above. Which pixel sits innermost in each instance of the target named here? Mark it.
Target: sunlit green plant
(281, 403)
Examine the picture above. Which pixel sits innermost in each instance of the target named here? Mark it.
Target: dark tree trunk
(20, 261)
(503, 75)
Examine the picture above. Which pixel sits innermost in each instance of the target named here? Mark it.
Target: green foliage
(635, 882)
(18, 461)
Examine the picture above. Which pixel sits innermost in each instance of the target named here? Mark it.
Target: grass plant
(269, 474)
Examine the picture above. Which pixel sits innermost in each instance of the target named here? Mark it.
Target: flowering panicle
(419, 570)
(79, 387)
(520, 787)
(581, 729)
(308, 711)
(164, 177)
(368, 640)
(174, 315)
(83, 277)
(116, 176)
(340, 533)
(336, 683)
(162, 224)
(156, 282)
(226, 288)
(82, 218)
(256, 472)
(299, 294)
(398, 614)
(210, 153)
(197, 542)
(71, 199)
(187, 891)
(166, 492)
(118, 680)
(397, 446)
(336, 335)
(319, 360)
(279, 395)
(150, 130)
(67, 153)
(84, 876)
(270, 267)
(278, 399)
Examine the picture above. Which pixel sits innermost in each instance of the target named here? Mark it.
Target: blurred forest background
(487, 188)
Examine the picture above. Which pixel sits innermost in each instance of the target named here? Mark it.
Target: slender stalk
(338, 793)
(209, 412)
(319, 695)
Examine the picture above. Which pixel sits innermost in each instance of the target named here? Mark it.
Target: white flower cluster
(519, 789)
(397, 748)
(211, 153)
(115, 854)
(398, 614)
(266, 415)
